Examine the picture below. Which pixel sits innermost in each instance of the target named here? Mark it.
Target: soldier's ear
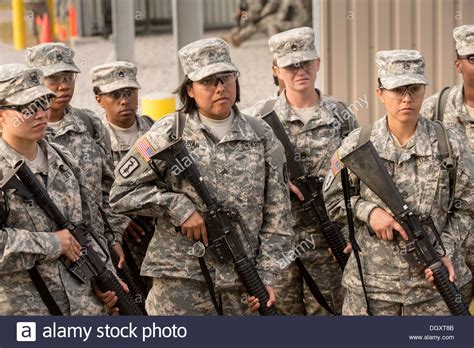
(189, 89)
(318, 62)
(98, 98)
(458, 65)
(380, 95)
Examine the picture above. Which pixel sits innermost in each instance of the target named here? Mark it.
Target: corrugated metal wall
(352, 31)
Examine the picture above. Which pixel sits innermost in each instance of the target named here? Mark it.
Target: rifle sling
(313, 287)
(43, 291)
(210, 286)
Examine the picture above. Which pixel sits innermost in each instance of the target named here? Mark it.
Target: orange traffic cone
(46, 35)
(72, 21)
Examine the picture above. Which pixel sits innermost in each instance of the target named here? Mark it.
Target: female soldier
(409, 148)
(80, 131)
(29, 240)
(315, 131)
(242, 164)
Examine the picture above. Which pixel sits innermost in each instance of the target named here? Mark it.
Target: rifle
(90, 266)
(313, 209)
(224, 243)
(419, 250)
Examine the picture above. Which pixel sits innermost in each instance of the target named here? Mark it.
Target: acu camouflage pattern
(205, 57)
(27, 240)
(94, 157)
(456, 116)
(119, 149)
(464, 38)
(242, 170)
(171, 296)
(289, 14)
(315, 142)
(293, 46)
(400, 68)
(422, 181)
(20, 85)
(113, 76)
(51, 58)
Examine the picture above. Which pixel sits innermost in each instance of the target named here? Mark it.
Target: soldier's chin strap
(350, 223)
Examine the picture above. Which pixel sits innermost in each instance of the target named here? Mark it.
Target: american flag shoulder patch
(336, 164)
(145, 149)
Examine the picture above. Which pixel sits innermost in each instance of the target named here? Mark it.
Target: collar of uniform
(12, 157)
(422, 141)
(322, 116)
(71, 122)
(459, 104)
(240, 130)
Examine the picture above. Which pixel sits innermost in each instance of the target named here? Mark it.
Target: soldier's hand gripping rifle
(419, 251)
(313, 208)
(90, 266)
(224, 243)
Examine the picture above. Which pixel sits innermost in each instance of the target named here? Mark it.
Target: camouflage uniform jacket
(423, 183)
(119, 150)
(315, 142)
(242, 170)
(27, 239)
(94, 157)
(455, 115)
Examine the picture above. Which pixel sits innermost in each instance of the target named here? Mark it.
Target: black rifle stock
(313, 207)
(366, 164)
(90, 266)
(224, 242)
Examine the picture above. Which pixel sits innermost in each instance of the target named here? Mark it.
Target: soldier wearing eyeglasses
(81, 132)
(242, 164)
(30, 241)
(459, 106)
(310, 121)
(116, 88)
(410, 150)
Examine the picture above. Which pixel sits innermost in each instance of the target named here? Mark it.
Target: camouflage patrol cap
(205, 57)
(21, 85)
(293, 46)
(400, 68)
(464, 37)
(115, 75)
(51, 58)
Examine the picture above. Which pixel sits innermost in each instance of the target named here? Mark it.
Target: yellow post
(52, 18)
(158, 104)
(19, 33)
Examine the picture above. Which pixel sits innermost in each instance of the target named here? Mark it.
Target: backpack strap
(447, 158)
(256, 125)
(441, 104)
(87, 121)
(148, 120)
(346, 125)
(179, 123)
(364, 135)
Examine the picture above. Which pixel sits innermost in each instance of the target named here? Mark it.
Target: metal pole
(123, 23)
(188, 26)
(318, 40)
(18, 24)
